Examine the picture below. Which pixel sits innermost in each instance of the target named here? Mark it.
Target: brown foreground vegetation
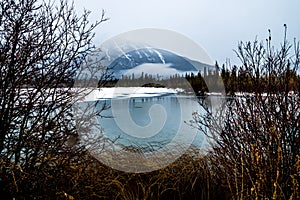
(190, 177)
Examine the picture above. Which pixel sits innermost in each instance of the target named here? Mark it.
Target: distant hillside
(135, 61)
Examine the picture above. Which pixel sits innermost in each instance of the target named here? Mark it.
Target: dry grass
(189, 177)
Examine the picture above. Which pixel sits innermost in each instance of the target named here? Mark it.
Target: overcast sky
(216, 25)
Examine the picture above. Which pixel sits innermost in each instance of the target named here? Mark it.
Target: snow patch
(160, 56)
(128, 92)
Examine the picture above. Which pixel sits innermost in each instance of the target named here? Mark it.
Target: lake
(147, 120)
(150, 122)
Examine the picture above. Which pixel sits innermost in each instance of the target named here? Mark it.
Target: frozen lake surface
(147, 117)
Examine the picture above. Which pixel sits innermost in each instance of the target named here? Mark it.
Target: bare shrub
(255, 140)
(42, 47)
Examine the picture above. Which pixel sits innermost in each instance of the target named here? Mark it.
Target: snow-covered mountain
(154, 61)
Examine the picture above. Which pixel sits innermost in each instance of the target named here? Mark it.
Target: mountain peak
(157, 61)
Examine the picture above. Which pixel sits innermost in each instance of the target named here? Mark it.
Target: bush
(255, 137)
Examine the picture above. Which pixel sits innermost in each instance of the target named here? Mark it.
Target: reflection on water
(176, 110)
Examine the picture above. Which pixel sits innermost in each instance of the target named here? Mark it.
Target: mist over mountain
(155, 61)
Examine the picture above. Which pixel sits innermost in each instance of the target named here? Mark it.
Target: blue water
(150, 122)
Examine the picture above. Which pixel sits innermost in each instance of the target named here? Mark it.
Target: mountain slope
(136, 58)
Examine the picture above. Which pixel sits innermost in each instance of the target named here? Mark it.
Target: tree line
(229, 80)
